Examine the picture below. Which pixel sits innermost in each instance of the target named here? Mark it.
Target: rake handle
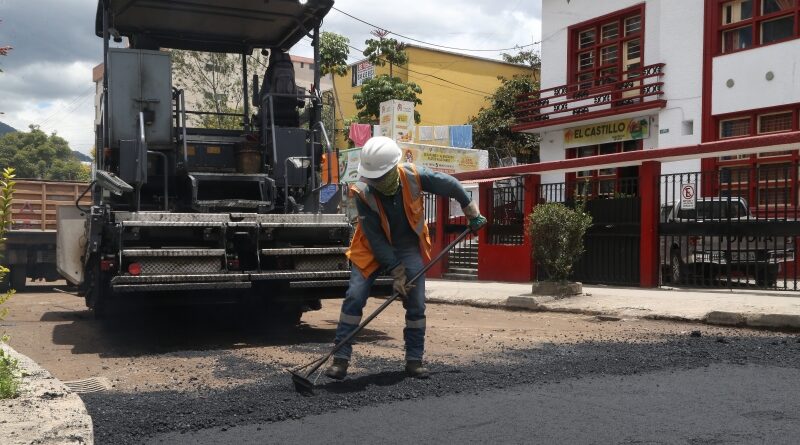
(386, 303)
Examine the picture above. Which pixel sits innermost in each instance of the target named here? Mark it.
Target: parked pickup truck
(718, 239)
(30, 247)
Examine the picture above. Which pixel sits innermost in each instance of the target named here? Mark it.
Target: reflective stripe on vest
(360, 252)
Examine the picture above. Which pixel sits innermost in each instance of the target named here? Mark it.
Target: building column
(532, 185)
(649, 177)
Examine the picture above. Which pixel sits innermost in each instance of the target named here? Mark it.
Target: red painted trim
(710, 40)
(649, 176)
(597, 114)
(637, 157)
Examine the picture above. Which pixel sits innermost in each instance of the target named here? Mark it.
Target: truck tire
(17, 277)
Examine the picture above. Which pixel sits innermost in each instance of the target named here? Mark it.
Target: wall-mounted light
(302, 2)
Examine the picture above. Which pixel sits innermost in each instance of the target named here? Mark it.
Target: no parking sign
(688, 196)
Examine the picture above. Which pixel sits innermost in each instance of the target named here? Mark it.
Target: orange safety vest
(360, 252)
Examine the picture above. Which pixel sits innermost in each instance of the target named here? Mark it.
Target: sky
(47, 77)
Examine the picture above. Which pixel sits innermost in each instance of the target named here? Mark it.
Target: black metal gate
(612, 242)
(731, 228)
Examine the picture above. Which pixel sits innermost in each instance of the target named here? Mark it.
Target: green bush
(557, 233)
(9, 369)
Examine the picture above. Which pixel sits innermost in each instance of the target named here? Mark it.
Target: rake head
(302, 384)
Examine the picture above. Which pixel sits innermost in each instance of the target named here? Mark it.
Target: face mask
(389, 183)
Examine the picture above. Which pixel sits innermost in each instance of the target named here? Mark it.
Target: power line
(429, 43)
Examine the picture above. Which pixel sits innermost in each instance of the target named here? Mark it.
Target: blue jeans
(358, 292)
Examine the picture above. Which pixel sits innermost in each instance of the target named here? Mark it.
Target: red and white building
(679, 73)
(645, 99)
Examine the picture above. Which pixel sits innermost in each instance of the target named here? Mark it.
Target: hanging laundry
(441, 133)
(376, 130)
(461, 136)
(426, 134)
(360, 134)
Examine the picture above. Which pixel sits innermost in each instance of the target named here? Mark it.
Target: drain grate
(92, 384)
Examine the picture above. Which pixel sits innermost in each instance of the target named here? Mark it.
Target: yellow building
(454, 86)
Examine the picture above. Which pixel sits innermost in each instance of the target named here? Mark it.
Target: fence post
(439, 241)
(485, 200)
(532, 183)
(649, 175)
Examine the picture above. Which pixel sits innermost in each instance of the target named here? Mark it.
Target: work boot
(338, 369)
(415, 369)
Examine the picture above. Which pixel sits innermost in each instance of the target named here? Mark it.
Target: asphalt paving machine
(205, 214)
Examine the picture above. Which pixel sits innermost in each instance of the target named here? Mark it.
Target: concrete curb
(45, 412)
(789, 322)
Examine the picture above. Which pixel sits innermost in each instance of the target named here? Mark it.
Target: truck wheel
(17, 277)
(677, 270)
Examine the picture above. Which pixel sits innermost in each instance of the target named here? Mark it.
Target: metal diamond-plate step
(92, 384)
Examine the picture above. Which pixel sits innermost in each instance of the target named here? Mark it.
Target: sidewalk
(753, 308)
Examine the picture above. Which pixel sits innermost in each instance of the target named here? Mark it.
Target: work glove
(476, 220)
(400, 285)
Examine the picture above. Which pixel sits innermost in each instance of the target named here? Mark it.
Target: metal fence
(734, 228)
(611, 245)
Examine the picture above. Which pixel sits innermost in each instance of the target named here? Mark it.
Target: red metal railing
(638, 89)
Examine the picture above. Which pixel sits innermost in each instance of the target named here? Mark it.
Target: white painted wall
(748, 71)
(673, 35)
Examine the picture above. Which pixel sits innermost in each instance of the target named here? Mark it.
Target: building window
(732, 128)
(605, 181)
(746, 24)
(608, 49)
(766, 179)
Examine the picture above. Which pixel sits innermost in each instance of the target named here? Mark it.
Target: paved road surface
(719, 404)
(208, 375)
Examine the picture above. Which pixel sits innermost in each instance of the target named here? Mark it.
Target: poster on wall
(605, 132)
(397, 120)
(362, 72)
(443, 159)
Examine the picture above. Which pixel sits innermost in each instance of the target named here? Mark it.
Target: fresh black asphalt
(684, 389)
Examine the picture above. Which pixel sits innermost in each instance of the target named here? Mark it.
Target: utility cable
(433, 76)
(429, 43)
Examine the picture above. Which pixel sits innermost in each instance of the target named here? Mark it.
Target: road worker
(391, 235)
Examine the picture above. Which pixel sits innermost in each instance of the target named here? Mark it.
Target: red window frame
(754, 23)
(748, 164)
(619, 17)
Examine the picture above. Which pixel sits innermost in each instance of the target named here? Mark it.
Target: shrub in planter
(557, 233)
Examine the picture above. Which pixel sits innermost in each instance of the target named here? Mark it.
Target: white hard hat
(379, 155)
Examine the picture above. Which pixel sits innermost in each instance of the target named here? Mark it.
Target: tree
(215, 79)
(34, 154)
(491, 128)
(380, 89)
(334, 50)
(529, 57)
(382, 51)
(557, 232)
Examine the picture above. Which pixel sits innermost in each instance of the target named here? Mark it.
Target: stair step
(456, 276)
(463, 270)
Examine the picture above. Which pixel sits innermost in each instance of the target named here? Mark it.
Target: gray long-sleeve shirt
(403, 235)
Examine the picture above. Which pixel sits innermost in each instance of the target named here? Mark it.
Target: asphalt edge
(45, 411)
(782, 322)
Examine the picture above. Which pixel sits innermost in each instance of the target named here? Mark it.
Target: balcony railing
(639, 89)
